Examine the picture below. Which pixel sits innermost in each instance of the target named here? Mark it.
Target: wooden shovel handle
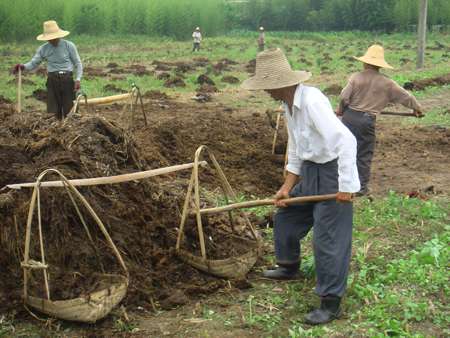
(394, 113)
(256, 203)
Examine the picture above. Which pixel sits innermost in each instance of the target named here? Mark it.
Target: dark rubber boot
(329, 310)
(283, 272)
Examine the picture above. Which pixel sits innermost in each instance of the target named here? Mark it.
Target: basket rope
(28, 263)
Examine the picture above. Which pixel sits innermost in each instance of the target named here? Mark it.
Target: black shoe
(329, 311)
(283, 272)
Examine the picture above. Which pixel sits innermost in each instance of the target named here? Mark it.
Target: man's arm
(340, 140)
(35, 61)
(292, 171)
(345, 96)
(75, 58)
(402, 96)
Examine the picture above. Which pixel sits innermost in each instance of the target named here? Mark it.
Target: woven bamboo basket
(233, 267)
(87, 308)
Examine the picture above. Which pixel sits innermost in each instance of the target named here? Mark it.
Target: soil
(145, 233)
(424, 83)
(230, 79)
(207, 88)
(142, 217)
(205, 79)
(155, 95)
(40, 95)
(113, 88)
(175, 81)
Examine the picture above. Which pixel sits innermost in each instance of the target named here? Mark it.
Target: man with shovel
(62, 57)
(321, 160)
(366, 94)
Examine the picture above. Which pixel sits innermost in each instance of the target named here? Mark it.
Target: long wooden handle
(257, 203)
(19, 91)
(394, 113)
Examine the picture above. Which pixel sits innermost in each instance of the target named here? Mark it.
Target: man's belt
(61, 73)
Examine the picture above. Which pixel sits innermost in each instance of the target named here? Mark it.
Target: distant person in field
(197, 36)
(62, 57)
(366, 94)
(321, 160)
(261, 39)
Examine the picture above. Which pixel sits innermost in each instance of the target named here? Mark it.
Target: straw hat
(374, 56)
(52, 31)
(273, 71)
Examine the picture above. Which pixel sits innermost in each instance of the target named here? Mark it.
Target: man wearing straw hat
(321, 160)
(366, 95)
(197, 36)
(62, 57)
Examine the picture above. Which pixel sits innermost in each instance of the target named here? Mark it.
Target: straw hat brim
(52, 36)
(374, 62)
(276, 81)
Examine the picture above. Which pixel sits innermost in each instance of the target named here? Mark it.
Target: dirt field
(143, 216)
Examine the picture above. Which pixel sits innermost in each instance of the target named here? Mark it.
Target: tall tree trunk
(421, 33)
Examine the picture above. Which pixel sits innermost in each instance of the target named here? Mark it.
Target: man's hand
(418, 113)
(77, 86)
(344, 197)
(280, 195)
(16, 68)
(339, 112)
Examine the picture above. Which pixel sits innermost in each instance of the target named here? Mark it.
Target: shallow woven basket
(233, 267)
(88, 308)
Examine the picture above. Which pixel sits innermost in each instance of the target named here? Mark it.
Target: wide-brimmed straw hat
(52, 31)
(374, 56)
(273, 71)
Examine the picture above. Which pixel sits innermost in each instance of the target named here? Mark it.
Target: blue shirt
(63, 57)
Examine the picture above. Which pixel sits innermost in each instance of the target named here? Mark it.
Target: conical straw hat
(374, 56)
(273, 71)
(52, 31)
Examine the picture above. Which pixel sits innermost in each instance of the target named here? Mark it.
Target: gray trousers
(362, 126)
(332, 223)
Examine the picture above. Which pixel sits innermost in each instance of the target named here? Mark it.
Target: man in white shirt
(197, 36)
(321, 160)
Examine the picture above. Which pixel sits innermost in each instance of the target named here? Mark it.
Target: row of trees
(367, 15)
(22, 19)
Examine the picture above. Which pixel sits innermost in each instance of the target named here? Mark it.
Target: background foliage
(22, 19)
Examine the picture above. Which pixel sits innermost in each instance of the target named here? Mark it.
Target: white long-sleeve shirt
(317, 135)
(197, 36)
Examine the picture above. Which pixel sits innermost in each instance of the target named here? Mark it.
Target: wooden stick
(110, 179)
(19, 91)
(251, 204)
(275, 134)
(394, 113)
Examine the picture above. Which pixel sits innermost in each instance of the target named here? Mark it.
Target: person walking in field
(261, 39)
(62, 57)
(321, 160)
(197, 36)
(366, 94)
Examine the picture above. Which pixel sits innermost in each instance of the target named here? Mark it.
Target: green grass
(398, 283)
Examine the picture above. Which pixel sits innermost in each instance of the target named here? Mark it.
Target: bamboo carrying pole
(106, 99)
(256, 203)
(110, 179)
